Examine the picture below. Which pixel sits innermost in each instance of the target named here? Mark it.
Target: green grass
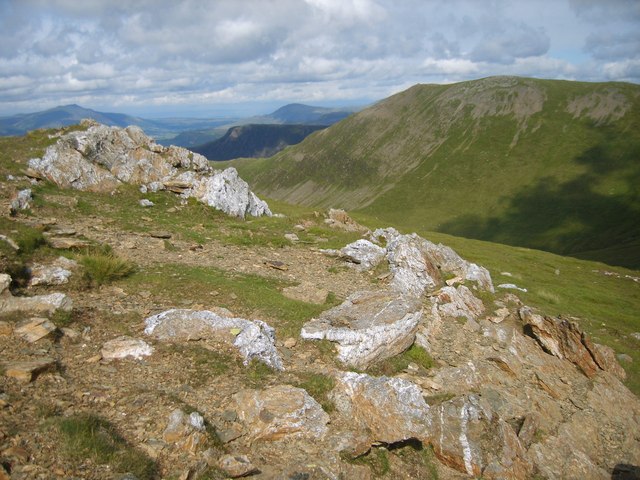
(318, 386)
(394, 365)
(88, 437)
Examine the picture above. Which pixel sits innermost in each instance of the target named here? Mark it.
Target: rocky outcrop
(101, 158)
(280, 412)
(458, 302)
(368, 327)
(38, 304)
(254, 339)
(186, 432)
(362, 253)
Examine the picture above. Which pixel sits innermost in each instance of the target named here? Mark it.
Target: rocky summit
(173, 340)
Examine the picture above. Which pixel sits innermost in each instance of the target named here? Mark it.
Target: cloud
(198, 52)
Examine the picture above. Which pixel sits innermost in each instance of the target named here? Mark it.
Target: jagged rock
(306, 292)
(57, 273)
(337, 218)
(564, 339)
(226, 191)
(458, 302)
(413, 272)
(33, 329)
(468, 436)
(126, 347)
(236, 466)
(187, 432)
(280, 412)
(421, 261)
(254, 339)
(368, 326)
(101, 158)
(20, 201)
(383, 409)
(363, 253)
(28, 370)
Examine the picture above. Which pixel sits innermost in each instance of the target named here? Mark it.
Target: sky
(212, 58)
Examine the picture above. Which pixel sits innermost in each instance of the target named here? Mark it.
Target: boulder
(126, 347)
(468, 436)
(387, 410)
(365, 255)
(254, 339)
(368, 326)
(226, 191)
(187, 432)
(38, 304)
(280, 412)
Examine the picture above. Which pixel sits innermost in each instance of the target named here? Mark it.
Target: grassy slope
(478, 159)
(607, 306)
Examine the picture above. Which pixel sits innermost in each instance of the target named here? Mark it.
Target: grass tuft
(394, 365)
(318, 386)
(103, 268)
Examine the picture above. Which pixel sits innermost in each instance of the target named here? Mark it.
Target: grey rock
(57, 273)
(146, 203)
(280, 412)
(368, 326)
(413, 272)
(254, 339)
(363, 253)
(38, 304)
(458, 302)
(226, 191)
(21, 201)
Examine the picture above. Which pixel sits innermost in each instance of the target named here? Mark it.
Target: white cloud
(198, 52)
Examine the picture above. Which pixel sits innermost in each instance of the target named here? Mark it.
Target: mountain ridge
(538, 163)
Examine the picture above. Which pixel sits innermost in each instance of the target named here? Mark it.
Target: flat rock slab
(126, 347)
(28, 370)
(38, 304)
(33, 329)
(67, 243)
(368, 327)
(253, 338)
(279, 412)
(306, 292)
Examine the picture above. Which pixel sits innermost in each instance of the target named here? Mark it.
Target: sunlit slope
(553, 165)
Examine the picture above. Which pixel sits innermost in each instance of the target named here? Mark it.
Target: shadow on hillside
(578, 217)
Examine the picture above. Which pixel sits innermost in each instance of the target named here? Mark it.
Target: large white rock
(363, 253)
(226, 191)
(253, 338)
(126, 347)
(368, 326)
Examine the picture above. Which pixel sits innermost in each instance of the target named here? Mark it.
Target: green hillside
(552, 165)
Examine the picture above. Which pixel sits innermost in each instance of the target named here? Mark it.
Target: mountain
(61, 117)
(255, 141)
(299, 113)
(552, 165)
(72, 114)
(291, 114)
